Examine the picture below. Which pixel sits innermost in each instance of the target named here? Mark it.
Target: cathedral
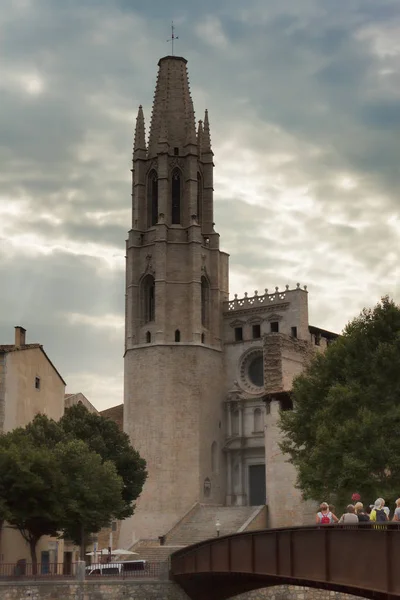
(205, 376)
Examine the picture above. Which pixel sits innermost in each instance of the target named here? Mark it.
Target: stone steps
(200, 524)
(154, 554)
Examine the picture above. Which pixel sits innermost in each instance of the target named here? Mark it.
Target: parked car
(119, 568)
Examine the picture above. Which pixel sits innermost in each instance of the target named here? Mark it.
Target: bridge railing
(28, 571)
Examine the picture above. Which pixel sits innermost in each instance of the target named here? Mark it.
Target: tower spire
(173, 106)
(140, 139)
(206, 146)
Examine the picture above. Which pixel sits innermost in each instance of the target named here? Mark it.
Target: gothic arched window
(148, 337)
(148, 289)
(205, 300)
(152, 198)
(176, 197)
(177, 335)
(258, 420)
(199, 199)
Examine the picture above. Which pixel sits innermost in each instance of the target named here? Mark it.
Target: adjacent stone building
(29, 384)
(201, 371)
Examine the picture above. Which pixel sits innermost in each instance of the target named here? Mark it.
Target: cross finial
(173, 37)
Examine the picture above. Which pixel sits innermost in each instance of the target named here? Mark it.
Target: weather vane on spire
(173, 37)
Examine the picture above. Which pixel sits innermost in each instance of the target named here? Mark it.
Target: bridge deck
(360, 560)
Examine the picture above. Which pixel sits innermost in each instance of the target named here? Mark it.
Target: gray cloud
(304, 109)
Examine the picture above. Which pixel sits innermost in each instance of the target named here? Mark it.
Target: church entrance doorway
(257, 485)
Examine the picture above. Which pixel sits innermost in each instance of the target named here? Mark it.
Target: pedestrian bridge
(363, 560)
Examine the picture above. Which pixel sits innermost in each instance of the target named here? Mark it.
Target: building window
(148, 299)
(37, 383)
(176, 151)
(256, 332)
(256, 371)
(205, 299)
(177, 335)
(294, 332)
(152, 198)
(275, 327)
(148, 337)
(199, 199)
(238, 334)
(203, 338)
(176, 197)
(258, 420)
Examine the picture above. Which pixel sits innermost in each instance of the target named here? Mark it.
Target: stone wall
(138, 590)
(92, 590)
(285, 505)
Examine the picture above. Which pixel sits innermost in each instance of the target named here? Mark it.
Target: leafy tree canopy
(31, 489)
(104, 437)
(343, 434)
(94, 494)
(72, 476)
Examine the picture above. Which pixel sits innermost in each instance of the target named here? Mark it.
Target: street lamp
(217, 526)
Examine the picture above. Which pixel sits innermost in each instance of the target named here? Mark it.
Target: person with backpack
(325, 516)
(363, 517)
(378, 515)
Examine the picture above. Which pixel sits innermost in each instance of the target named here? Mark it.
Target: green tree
(30, 489)
(94, 494)
(104, 437)
(343, 434)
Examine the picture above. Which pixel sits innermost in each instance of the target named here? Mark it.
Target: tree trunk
(32, 548)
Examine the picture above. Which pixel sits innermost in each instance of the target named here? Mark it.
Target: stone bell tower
(176, 282)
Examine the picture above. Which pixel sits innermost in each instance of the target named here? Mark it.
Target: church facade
(203, 374)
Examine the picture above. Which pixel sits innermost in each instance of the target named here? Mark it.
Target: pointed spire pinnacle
(200, 136)
(206, 146)
(190, 126)
(140, 138)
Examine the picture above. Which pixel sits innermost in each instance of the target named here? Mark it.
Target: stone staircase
(151, 551)
(199, 523)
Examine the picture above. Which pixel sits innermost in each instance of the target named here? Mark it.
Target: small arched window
(148, 299)
(152, 198)
(177, 335)
(214, 457)
(205, 300)
(148, 337)
(176, 197)
(258, 420)
(203, 338)
(199, 199)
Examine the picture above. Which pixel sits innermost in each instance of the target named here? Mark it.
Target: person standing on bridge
(325, 516)
(360, 512)
(349, 517)
(396, 516)
(378, 514)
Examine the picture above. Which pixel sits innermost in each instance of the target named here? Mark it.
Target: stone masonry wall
(136, 590)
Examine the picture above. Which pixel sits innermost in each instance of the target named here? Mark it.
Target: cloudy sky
(304, 104)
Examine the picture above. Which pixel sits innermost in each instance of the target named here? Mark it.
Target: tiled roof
(115, 413)
(14, 348)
